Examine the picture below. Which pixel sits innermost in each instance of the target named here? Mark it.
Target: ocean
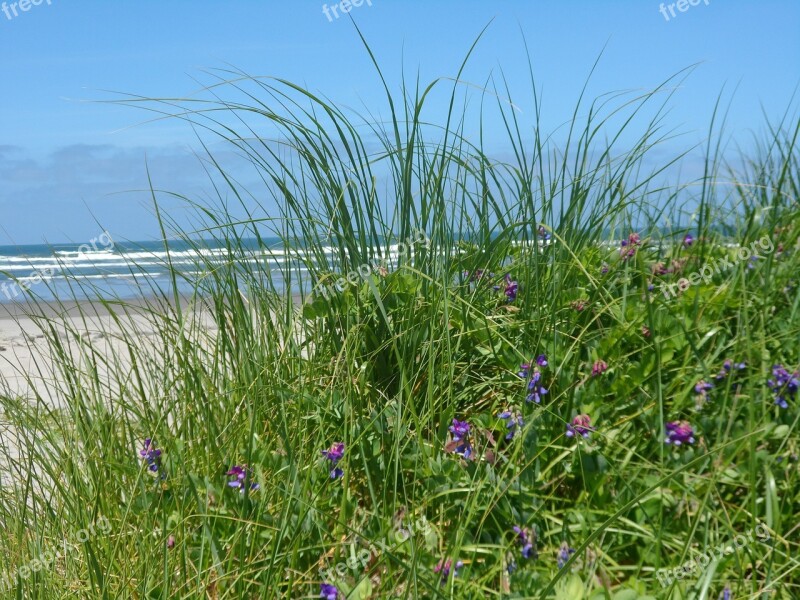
(107, 269)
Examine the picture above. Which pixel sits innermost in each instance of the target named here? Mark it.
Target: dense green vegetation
(561, 257)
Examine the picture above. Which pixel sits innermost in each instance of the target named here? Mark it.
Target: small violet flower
(445, 566)
(238, 475)
(334, 455)
(726, 368)
(328, 591)
(628, 247)
(564, 554)
(599, 367)
(543, 233)
(581, 425)
(513, 422)
(536, 389)
(511, 288)
(526, 539)
(702, 387)
(460, 431)
(784, 385)
(688, 240)
(679, 432)
(151, 455)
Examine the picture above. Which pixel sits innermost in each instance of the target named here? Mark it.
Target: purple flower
(511, 288)
(702, 387)
(460, 431)
(328, 591)
(334, 455)
(726, 593)
(171, 542)
(604, 268)
(151, 454)
(564, 554)
(629, 246)
(444, 567)
(238, 475)
(526, 539)
(679, 432)
(784, 385)
(513, 421)
(581, 425)
(688, 240)
(726, 368)
(543, 233)
(536, 389)
(599, 367)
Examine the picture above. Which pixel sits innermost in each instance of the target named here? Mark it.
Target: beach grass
(569, 252)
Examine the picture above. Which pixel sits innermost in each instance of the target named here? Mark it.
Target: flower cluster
(151, 455)
(511, 288)
(563, 554)
(784, 385)
(238, 478)
(599, 367)
(445, 566)
(702, 388)
(328, 591)
(726, 368)
(513, 421)
(334, 454)
(628, 247)
(581, 425)
(679, 433)
(460, 443)
(543, 233)
(527, 539)
(535, 388)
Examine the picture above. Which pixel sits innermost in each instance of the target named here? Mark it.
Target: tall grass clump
(466, 377)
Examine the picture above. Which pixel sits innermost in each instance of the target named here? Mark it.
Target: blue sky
(67, 162)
